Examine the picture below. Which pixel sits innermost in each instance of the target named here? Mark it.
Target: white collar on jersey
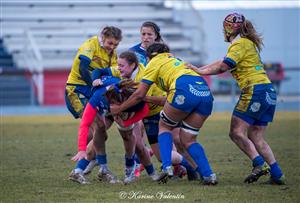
(134, 73)
(100, 41)
(236, 38)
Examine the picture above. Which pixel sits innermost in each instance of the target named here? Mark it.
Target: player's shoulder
(136, 47)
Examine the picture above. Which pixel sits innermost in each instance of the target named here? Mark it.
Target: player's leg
(185, 159)
(256, 134)
(170, 118)
(129, 141)
(75, 102)
(188, 134)
(142, 152)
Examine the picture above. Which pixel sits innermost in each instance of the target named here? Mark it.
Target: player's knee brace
(167, 120)
(189, 129)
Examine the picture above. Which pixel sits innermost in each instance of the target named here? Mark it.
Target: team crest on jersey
(255, 107)
(179, 99)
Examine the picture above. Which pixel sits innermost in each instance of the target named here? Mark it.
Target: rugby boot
(78, 177)
(273, 181)
(107, 176)
(210, 180)
(129, 175)
(165, 175)
(257, 172)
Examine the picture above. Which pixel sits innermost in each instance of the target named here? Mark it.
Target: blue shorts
(258, 106)
(151, 127)
(76, 98)
(191, 94)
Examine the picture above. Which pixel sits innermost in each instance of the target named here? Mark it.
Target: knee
(141, 151)
(261, 144)
(235, 135)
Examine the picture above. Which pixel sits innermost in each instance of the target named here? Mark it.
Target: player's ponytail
(248, 31)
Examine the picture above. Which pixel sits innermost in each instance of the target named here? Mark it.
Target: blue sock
(197, 153)
(275, 171)
(258, 161)
(165, 142)
(186, 164)
(82, 164)
(149, 169)
(136, 159)
(129, 161)
(101, 159)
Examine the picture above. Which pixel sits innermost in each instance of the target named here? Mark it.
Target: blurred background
(39, 40)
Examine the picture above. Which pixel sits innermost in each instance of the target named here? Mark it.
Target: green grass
(35, 156)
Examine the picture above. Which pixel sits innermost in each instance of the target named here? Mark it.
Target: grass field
(35, 162)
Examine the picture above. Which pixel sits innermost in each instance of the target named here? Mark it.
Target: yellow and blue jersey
(187, 91)
(164, 69)
(245, 64)
(257, 101)
(94, 52)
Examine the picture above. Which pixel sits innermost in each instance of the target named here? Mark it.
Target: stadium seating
(58, 28)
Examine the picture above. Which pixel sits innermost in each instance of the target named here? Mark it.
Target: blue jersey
(141, 53)
(98, 99)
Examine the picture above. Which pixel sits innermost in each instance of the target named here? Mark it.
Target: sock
(258, 161)
(136, 159)
(149, 169)
(197, 153)
(129, 161)
(186, 165)
(165, 142)
(101, 159)
(87, 119)
(275, 171)
(81, 165)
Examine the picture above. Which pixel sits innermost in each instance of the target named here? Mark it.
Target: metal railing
(193, 29)
(34, 63)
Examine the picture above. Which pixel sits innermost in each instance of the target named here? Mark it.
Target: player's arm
(135, 98)
(84, 69)
(97, 73)
(156, 100)
(212, 69)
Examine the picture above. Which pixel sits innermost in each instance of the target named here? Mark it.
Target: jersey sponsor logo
(255, 107)
(198, 93)
(199, 83)
(258, 67)
(179, 99)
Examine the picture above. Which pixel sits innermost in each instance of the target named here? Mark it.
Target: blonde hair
(248, 31)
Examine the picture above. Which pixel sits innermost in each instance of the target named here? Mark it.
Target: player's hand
(80, 155)
(191, 66)
(97, 82)
(115, 109)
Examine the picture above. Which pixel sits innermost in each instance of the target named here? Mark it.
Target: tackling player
(189, 103)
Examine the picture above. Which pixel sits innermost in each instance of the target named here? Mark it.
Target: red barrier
(54, 86)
